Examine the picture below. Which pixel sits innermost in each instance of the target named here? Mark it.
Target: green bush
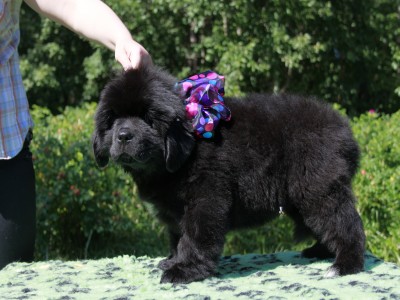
(343, 51)
(377, 184)
(87, 212)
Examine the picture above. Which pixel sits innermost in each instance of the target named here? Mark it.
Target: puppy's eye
(111, 116)
(148, 120)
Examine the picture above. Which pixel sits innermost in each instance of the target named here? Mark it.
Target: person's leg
(17, 209)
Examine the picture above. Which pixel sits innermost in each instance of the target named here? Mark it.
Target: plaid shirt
(15, 120)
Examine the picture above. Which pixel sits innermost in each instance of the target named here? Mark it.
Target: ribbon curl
(204, 101)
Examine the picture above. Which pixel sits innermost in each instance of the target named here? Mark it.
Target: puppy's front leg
(168, 262)
(203, 226)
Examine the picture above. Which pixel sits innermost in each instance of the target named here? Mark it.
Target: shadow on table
(244, 265)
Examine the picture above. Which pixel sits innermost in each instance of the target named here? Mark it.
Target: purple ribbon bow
(204, 103)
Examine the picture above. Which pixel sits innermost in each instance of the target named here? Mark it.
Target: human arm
(96, 21)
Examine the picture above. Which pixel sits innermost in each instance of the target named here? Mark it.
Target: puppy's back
(293, 128)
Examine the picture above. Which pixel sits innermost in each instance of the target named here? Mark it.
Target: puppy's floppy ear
(99, 153)
(179, 143)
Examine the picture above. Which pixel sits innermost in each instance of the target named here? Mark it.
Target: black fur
(276, 151)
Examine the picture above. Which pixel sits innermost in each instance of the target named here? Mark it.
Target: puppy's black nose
(125, 135)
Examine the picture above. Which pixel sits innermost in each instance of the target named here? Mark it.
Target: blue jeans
(17, 208)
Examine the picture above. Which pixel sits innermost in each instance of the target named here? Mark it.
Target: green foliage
(343, 51)
(83, 211)
(58, 67)
(87, 212)
(377, 184)
(272, 237)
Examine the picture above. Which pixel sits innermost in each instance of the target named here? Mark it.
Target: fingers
(131, 55)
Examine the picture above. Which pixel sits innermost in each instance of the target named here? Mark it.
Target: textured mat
(275, 276)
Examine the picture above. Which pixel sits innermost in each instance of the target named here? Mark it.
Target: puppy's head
(140, 122)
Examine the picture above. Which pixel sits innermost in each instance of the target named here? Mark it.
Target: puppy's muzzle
(125, 135)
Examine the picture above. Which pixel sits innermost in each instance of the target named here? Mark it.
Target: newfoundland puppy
(277, 153)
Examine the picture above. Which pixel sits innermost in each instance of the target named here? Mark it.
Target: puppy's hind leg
(317, 251)
(301, 233)
(348, 243)
(339, 228)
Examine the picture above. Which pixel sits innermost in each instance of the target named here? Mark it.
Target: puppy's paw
(184, 274)
(340, 270)
(332, 272)
(166, 263)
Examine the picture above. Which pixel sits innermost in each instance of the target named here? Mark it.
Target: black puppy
(277, 152)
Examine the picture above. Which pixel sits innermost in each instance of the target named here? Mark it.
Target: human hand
(131, 55)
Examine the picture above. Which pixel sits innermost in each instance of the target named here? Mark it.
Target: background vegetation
(343, 51)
